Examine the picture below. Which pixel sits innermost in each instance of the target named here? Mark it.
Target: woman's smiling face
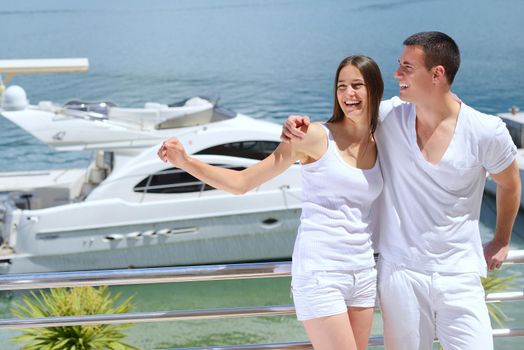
(352, 93)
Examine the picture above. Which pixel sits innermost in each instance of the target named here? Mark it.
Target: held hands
(495, 252)
(294, 128)
(172, 151)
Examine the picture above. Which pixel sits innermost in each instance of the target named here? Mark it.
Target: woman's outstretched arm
(240, 182)
(234, 181)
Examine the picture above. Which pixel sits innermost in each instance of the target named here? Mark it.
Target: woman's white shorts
(326, 293)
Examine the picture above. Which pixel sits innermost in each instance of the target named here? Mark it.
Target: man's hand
(294, 128)
(495, 252)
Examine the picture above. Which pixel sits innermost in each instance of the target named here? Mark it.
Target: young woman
(333, 274)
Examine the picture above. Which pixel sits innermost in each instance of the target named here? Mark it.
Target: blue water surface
(265, 58)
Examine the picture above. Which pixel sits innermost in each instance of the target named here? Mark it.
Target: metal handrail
(180, 315)
(163, 274)
(183, 274)
(276, 346)
(373, 341)
(515, 257)
(141, 317)
(504, 296)
(168, 274)
(144, 276)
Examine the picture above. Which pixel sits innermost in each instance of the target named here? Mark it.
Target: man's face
(415, 80)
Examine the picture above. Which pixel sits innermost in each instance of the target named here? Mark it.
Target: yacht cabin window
(243, 149)
(174, 180)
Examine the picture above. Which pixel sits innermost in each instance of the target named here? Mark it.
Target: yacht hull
(225, 239)
(128, 208)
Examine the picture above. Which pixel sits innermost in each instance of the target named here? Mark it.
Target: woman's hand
(173, 152)
(294, 128)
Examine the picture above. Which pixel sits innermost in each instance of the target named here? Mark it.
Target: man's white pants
(416, 306)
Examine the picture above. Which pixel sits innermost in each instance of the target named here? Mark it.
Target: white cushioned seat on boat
(195, 111)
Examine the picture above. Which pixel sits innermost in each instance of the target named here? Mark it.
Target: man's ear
(439, 73)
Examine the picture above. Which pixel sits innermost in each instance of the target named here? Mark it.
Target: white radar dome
(14, 98)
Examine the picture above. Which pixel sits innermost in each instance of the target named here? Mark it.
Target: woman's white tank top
(337, 214)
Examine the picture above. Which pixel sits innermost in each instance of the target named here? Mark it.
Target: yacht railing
(185, 274)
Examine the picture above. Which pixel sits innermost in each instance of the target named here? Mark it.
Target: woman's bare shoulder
(314, 142)
(317, 130)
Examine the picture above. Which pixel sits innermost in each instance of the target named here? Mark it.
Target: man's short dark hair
(439, 49)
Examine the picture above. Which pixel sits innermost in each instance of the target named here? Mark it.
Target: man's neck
(435, 126)
(435, 110)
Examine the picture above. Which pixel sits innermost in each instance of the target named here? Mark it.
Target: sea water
(264, 58)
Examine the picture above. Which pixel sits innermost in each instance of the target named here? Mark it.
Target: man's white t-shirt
(429, 214)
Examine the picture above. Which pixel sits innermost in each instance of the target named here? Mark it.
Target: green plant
(495, 283)
(72, 302)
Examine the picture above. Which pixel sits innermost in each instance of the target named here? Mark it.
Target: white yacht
(128, 208)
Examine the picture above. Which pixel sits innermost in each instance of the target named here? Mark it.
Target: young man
(434, 153)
